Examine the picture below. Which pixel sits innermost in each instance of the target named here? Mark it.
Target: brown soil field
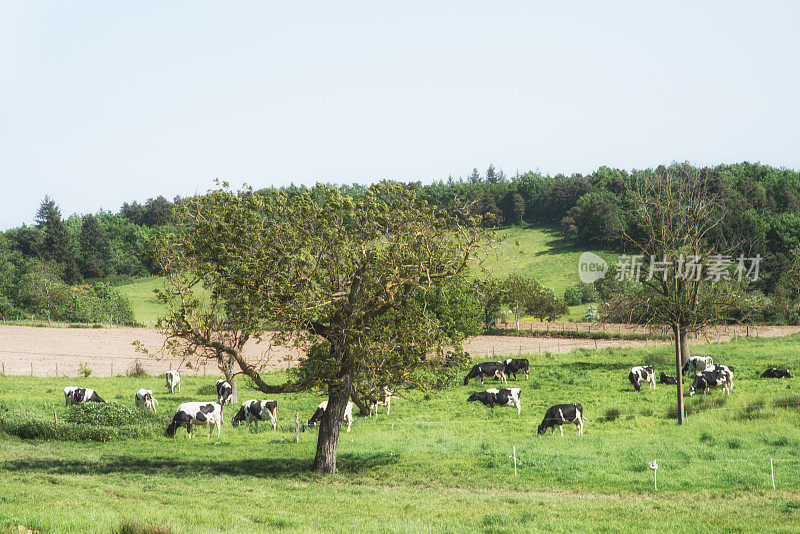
(49, 351)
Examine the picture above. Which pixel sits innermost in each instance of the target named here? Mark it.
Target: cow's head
(699, 384)
(316, 418)
(474, 396)
(172, 428)
(542, 428)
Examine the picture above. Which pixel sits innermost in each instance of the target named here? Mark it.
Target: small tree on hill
(346, 278)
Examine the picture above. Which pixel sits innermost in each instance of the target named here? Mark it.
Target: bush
(573, 295)
(83, 370)
(136, 370)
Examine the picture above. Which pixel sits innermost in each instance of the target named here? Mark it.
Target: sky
(109, 102)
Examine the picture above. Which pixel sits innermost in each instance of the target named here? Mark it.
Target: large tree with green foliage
(348, 279)
(55, 244)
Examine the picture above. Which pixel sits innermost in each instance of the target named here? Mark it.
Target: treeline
(62, 269)
(759, 207)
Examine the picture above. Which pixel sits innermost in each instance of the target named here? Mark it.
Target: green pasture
(146, 308)
(436, 464)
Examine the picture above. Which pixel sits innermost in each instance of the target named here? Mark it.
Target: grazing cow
(498, 397)
(256, 410)
(487, 369)
(516, 365)
(379, 397)
(224, 392)
(196, 413)
(559, 414)
(317, 417)
(776, 373)
(666, 379)
(144, 399)
(709, 380)
(75, 395)
(697, 364)
(642, 374)
(173, 381)
(727, 370)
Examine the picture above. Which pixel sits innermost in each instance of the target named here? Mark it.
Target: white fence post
(514, 450)
(772, 473)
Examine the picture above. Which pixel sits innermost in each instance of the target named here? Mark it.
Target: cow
(727, 370)
(559, 414)
(224, 392)
(379, 397)
(322, 406)
(196, 413)
(498, 397)
(516, 365)
(776, 373)
(697, 364)
(709, 380)
(173, 381)
(642, 374)
(666, 379)
(487, 369)
(144, 399)
(76, 395)
(257, 410)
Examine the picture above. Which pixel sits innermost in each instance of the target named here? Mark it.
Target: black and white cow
(317, 417)
(75, 395)
(173, 381)
(642, 374)
(144, 399)
(379, 397)
(498, 397)
(487, 369)
(709, 380)
(666, 379)
(559, 414)
(727, 370)
(224, 392)
(516, 365)
(196, 413)
(257, 410)
(776, 373)
(697, 364)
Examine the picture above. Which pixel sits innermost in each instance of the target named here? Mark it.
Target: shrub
(207, 389)
(136, 370)
(573, 296)
(84, 370)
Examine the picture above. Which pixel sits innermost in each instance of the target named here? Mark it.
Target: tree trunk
(679, 337)
(684, 347)
(362, 405)
(328, 439)
(235, 395)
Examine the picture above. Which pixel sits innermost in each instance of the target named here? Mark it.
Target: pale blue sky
(106, 102)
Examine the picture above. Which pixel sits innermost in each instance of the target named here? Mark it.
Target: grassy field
(146, 307)
(541, 254)
(435, 465)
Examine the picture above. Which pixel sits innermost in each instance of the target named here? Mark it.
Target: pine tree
(55, 245)
(95, 248)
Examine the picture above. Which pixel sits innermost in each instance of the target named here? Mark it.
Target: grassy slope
(540, 254)
(146, 308)
(454, 476)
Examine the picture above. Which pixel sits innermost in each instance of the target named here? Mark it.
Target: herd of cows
(707, 376)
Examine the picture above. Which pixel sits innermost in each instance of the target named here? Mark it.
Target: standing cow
(173, 381)
(487, 369)
(642, 374)
(516, 365)
(76, 395)
(224, 391)
(559, 414)
(498, 397)
(144, 399)
(196, 413)
(697, 364)
(322, 406)
(257, 410)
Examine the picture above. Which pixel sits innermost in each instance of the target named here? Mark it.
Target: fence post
(772, 473)
(31, 368)
(112, 368)
(55, 417)
(297, 427)
(56, 368)
(514, 449)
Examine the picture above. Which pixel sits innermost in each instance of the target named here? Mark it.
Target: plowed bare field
(50, 351)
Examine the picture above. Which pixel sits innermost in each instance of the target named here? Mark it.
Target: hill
(539, 252)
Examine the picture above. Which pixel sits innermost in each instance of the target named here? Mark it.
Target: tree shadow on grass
(255, 467)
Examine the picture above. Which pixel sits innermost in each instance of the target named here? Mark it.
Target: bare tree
(682, 281)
